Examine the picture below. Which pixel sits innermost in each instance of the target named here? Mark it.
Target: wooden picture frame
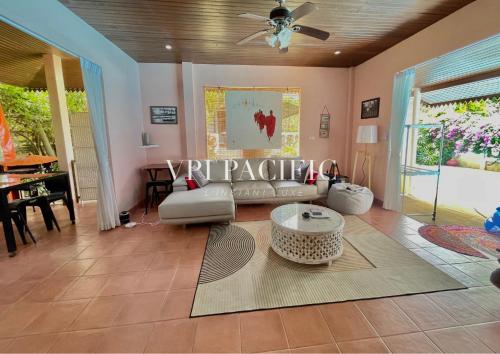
(370, 108)
(324, 125)
(163, 114)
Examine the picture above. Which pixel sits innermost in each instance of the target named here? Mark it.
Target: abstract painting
(253, 119)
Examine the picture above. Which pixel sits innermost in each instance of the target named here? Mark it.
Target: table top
(290, 217)
(159, 166)
(30, 160)
(12, 180)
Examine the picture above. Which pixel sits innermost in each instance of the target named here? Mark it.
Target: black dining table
(16, 182)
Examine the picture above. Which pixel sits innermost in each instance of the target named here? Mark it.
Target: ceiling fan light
(285, 37)
(271, 40)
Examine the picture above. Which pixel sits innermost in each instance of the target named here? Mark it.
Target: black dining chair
(18, 214)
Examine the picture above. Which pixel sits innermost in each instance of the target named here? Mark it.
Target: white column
(59, 111)
(189, 110)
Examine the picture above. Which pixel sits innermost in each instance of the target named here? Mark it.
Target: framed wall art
(163, 114)
(370, 108)
(324, 123)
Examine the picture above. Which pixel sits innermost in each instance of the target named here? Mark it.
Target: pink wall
(374, 78)
(161, 84)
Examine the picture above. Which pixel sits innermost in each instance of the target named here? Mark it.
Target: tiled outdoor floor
(132, 290)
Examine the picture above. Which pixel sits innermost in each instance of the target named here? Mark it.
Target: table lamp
(367, 134)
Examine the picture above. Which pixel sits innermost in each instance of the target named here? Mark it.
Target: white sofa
(216, 201)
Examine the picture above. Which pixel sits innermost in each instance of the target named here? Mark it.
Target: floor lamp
(367, 134)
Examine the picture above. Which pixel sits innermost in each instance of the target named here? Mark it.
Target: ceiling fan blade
(312, 32)
(252, 36)
(254, 17)
(284, 50)
(303, 10)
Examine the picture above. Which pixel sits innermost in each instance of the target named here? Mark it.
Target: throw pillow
(313, 179)
(300, 173)
(191, 183)
(200, 178)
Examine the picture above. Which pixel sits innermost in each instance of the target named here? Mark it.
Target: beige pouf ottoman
(349, 198)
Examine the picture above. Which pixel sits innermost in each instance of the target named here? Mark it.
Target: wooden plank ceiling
(21, 61)
(205, 31)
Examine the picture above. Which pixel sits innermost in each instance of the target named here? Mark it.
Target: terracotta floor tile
(262, 331)
(371, 345)
(486, 297)
(185, 278)
(488, 333)
(218, 334)
(347, 322)
(325, 348)
(447, 255)
(4, 344)
(50, 289)
(172, 337)
(424, 312)
(457, 340)
(191, 259)
(476, 271)
(410, 343)
(177, 304)
(461, 308)
(305, 327)
(14, 291)
(84, 288)
(155, 280)
(141, 308)
(128, 339)
(58, 316)
(18, 316)
(121, 284)
(107, 265)
(135, 263)
(74, 268)
(100, 312)
(386, 317)
(458, 275)
(165, 261)
(32, 344)
(78, 342)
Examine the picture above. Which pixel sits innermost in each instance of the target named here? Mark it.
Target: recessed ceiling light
(168, 47)
(337, 52)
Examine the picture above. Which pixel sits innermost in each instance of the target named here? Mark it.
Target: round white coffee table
(308, 241)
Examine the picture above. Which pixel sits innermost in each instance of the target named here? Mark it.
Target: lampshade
(367, 134)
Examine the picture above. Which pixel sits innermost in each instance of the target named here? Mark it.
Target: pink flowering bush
(468, 127)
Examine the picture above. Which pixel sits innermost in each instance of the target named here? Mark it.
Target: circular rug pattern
(229, 248)
(462, 239)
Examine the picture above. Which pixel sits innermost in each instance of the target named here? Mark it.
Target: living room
(256, 248)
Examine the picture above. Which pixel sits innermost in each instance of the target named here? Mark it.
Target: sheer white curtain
(107, 209)
(401, 92)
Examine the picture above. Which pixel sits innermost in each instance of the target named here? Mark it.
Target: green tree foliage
(29, 118)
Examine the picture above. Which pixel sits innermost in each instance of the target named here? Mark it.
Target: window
(216, 124)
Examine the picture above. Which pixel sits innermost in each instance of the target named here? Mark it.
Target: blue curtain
(107, 209)
(401, 92)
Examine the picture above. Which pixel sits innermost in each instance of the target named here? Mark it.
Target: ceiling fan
(281, 21)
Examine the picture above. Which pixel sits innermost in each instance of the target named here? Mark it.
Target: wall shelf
(149, 146)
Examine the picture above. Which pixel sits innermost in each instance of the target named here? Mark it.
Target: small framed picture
(163, 114)
(370, 108)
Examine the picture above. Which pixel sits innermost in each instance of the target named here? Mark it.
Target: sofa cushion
(218, 170)
(255, 190)
(200, 178)
(211, 200)
(290, 189)
(279, 174)
(242, 171)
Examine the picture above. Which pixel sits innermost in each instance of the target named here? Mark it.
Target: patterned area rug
(471, 241)
(241, 272)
